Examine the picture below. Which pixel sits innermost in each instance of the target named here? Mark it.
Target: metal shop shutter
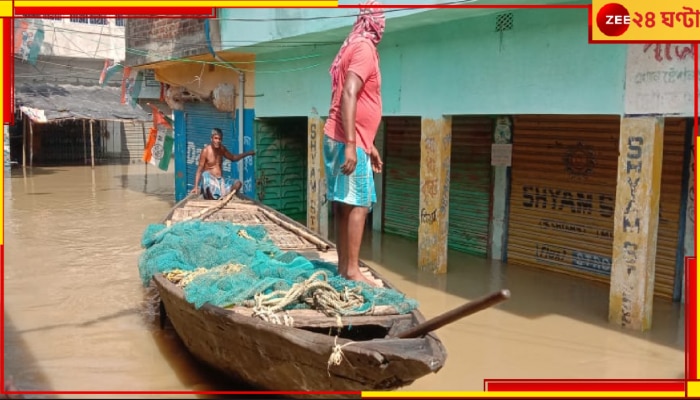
(402, 179)
(563, 187)
(281, 165)
(470, 184)
(673, 163)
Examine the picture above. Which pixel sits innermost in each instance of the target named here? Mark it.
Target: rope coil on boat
(315, 292)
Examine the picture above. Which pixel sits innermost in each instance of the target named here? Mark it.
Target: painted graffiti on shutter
(562, 201)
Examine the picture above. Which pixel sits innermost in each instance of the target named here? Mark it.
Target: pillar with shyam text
(317, 206)
(636, 222)
(436, 142)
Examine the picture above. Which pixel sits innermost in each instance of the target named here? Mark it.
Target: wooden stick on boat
(203, 214)
(211, 210)
(453, 315)
(323, 246)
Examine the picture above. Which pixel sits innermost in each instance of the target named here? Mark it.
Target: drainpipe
(241, 92)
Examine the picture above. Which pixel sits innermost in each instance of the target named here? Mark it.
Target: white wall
(65, 38)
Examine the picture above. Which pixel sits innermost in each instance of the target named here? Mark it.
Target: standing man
(348, 143)
(209, 177)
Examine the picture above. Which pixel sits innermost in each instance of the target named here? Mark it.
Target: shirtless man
(209, 171)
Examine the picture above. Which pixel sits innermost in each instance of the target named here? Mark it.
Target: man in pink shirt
(348, 148)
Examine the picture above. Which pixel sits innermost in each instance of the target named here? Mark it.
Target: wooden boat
(370, 352)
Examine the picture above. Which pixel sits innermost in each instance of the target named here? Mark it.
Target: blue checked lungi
(356, 189)
(214, 188)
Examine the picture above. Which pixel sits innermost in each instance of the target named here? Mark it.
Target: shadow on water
(149, 180)
(94, 321)
(32, 377)
(535, 294)
(19, 172)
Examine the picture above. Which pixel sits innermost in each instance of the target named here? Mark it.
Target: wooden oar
(453, 315)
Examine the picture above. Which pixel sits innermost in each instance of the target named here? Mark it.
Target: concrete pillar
(436, 143)
(378, 210)
(636, 222)
(501, 152)
(317, 206)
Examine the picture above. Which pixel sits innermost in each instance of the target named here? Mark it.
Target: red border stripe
(8, 113)
(190, 12)
(586, 386)
(691, 329)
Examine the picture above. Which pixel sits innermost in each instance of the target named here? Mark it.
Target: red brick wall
(144, 34)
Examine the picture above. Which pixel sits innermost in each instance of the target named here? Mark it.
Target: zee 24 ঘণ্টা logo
(613, 19)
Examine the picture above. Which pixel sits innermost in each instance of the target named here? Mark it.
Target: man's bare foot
(377, 282)
(360, 277)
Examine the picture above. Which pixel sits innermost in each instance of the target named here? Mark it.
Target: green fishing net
(233, 263)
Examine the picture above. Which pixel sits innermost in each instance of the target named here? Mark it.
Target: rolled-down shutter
(670, 206)
(470, 184)
(200, 119)
(562, 204)
(402, 179)
(281, 165)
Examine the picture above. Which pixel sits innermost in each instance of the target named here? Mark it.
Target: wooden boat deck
(246, 213)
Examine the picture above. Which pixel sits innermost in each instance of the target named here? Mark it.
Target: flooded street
(77, 317)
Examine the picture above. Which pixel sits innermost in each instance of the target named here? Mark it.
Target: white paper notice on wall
(501, 154)
(659, 79)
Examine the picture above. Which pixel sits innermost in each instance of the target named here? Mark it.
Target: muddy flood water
(78, 319)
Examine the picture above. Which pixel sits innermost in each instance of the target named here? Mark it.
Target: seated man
(209, 177)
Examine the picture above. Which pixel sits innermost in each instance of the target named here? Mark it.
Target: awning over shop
(44, 103)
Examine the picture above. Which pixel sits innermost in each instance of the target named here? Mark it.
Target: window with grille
(150, 78)
(91, 21)
(119, 21)
(504, 22)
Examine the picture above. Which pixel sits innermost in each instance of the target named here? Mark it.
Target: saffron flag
(159, 148)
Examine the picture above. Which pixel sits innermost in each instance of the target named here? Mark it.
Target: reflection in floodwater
(77, 317)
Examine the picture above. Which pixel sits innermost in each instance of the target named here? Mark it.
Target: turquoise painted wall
(241, 28)
(543, 65)
(245, 27)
